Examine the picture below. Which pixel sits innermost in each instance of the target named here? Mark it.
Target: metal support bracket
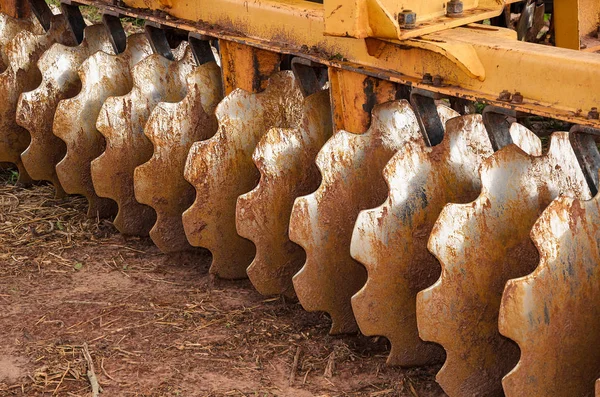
(116, 33)
(429, 119)
(312, 76)
(75, 21)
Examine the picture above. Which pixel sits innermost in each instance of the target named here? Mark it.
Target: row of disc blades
(453, 252)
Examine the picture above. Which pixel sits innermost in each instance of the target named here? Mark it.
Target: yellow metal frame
(476, 62)
(575, 24)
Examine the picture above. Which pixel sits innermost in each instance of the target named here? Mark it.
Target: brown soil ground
(158, 325)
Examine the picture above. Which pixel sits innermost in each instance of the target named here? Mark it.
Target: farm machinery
(329, 151)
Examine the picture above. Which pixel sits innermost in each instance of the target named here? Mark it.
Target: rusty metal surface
(22, 74)
(391, 240)
(221, 169)
(286, 161)
(351, 166)
(102, 75)
(480, 246)
(35, 109)
(553, 312)
(9, 27)
(173, 128)
(121, 122)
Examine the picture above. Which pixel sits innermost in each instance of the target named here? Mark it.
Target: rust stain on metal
(9, 27)
(221, 169)
(391, 240)
(351, 166)
(286, 161)
(22, 75)
(173, 128)
(481, 245)
(553, 312)
(121, 122)
(35, 110)
(102, 76)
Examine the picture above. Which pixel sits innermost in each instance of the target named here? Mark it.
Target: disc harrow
(481, 245)
(221, 169)
(121, 121)
(35, 109)
(286, 161)
(321, 223)
(102, 75)
(454, 236)
(22, 75)
(173, 128)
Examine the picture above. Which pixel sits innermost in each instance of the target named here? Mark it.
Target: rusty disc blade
(35, 110)
(9, 27)
(221, 169)
(480, 246)
(553, 313)
(286, 161)
(173, 128)
(21, 75)
(351, 166)
(121, 121)
(391, 240)
(102, 76)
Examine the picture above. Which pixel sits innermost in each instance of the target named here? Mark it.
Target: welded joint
(42, 12)
(116, 32)
(312, 76)
(70, 10)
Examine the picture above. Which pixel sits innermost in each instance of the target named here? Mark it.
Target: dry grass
(158, 325)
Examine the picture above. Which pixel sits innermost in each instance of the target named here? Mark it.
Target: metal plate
(480, 246)
(173, 128)
(286, 161)
(102, 76)
(221, 169)
(553, 313)
(23, 75)
(35, 109)
(121, 122)
(351, 166)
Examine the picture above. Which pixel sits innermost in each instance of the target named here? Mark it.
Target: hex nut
(454, 8)
(517, 97)
(407, 19)
(427, 79)
(505, 96)
(594, 114)
(438, 80)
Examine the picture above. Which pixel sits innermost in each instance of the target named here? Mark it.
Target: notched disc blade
(391, 240)
(351, 166)
(22, 74)
(221, 169)
(102, 76)
(36, 108)
(172, 129)
(121, 122)
(286, 161)
(480, 246)
(553, 313)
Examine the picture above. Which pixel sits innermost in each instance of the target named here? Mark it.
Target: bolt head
(594, 114)
(505, 96)
(407, 19)
(437, 80)
(427, 78)
(517, 97)
(454, 8)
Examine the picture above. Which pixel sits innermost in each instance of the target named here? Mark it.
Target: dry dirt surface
(157, 325)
